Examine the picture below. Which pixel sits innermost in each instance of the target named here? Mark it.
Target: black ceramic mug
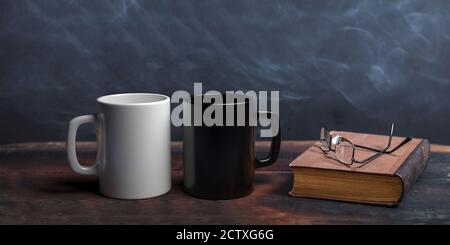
(220, 161)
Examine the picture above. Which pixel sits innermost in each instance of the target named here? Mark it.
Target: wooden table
(38, 187)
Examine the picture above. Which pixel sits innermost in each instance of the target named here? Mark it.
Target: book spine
(413, 166)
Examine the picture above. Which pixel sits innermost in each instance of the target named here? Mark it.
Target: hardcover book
(383, 181)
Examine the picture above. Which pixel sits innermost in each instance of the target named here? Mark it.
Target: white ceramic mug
(133, 136)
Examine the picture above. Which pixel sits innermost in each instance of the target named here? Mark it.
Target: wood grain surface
(38, 187)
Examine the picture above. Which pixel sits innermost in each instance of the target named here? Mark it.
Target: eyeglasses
(344, 149)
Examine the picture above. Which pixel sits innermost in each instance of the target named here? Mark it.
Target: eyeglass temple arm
(381, 152)
(406, 140)
(377, 150)
(371, 158)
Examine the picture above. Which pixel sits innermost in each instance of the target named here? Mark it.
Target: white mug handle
(71, 145)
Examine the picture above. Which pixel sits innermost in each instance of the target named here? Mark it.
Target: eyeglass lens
(325, 139)
(344, 152)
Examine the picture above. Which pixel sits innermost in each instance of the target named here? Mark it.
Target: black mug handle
(274, 147)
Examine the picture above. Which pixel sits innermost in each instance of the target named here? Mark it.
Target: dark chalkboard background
(352, 65)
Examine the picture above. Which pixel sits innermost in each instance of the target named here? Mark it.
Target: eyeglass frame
(354, 146)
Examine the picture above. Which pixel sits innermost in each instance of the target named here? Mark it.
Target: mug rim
(104, 99)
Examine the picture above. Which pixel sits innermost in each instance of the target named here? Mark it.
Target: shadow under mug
(220, 161)
(133, 137)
